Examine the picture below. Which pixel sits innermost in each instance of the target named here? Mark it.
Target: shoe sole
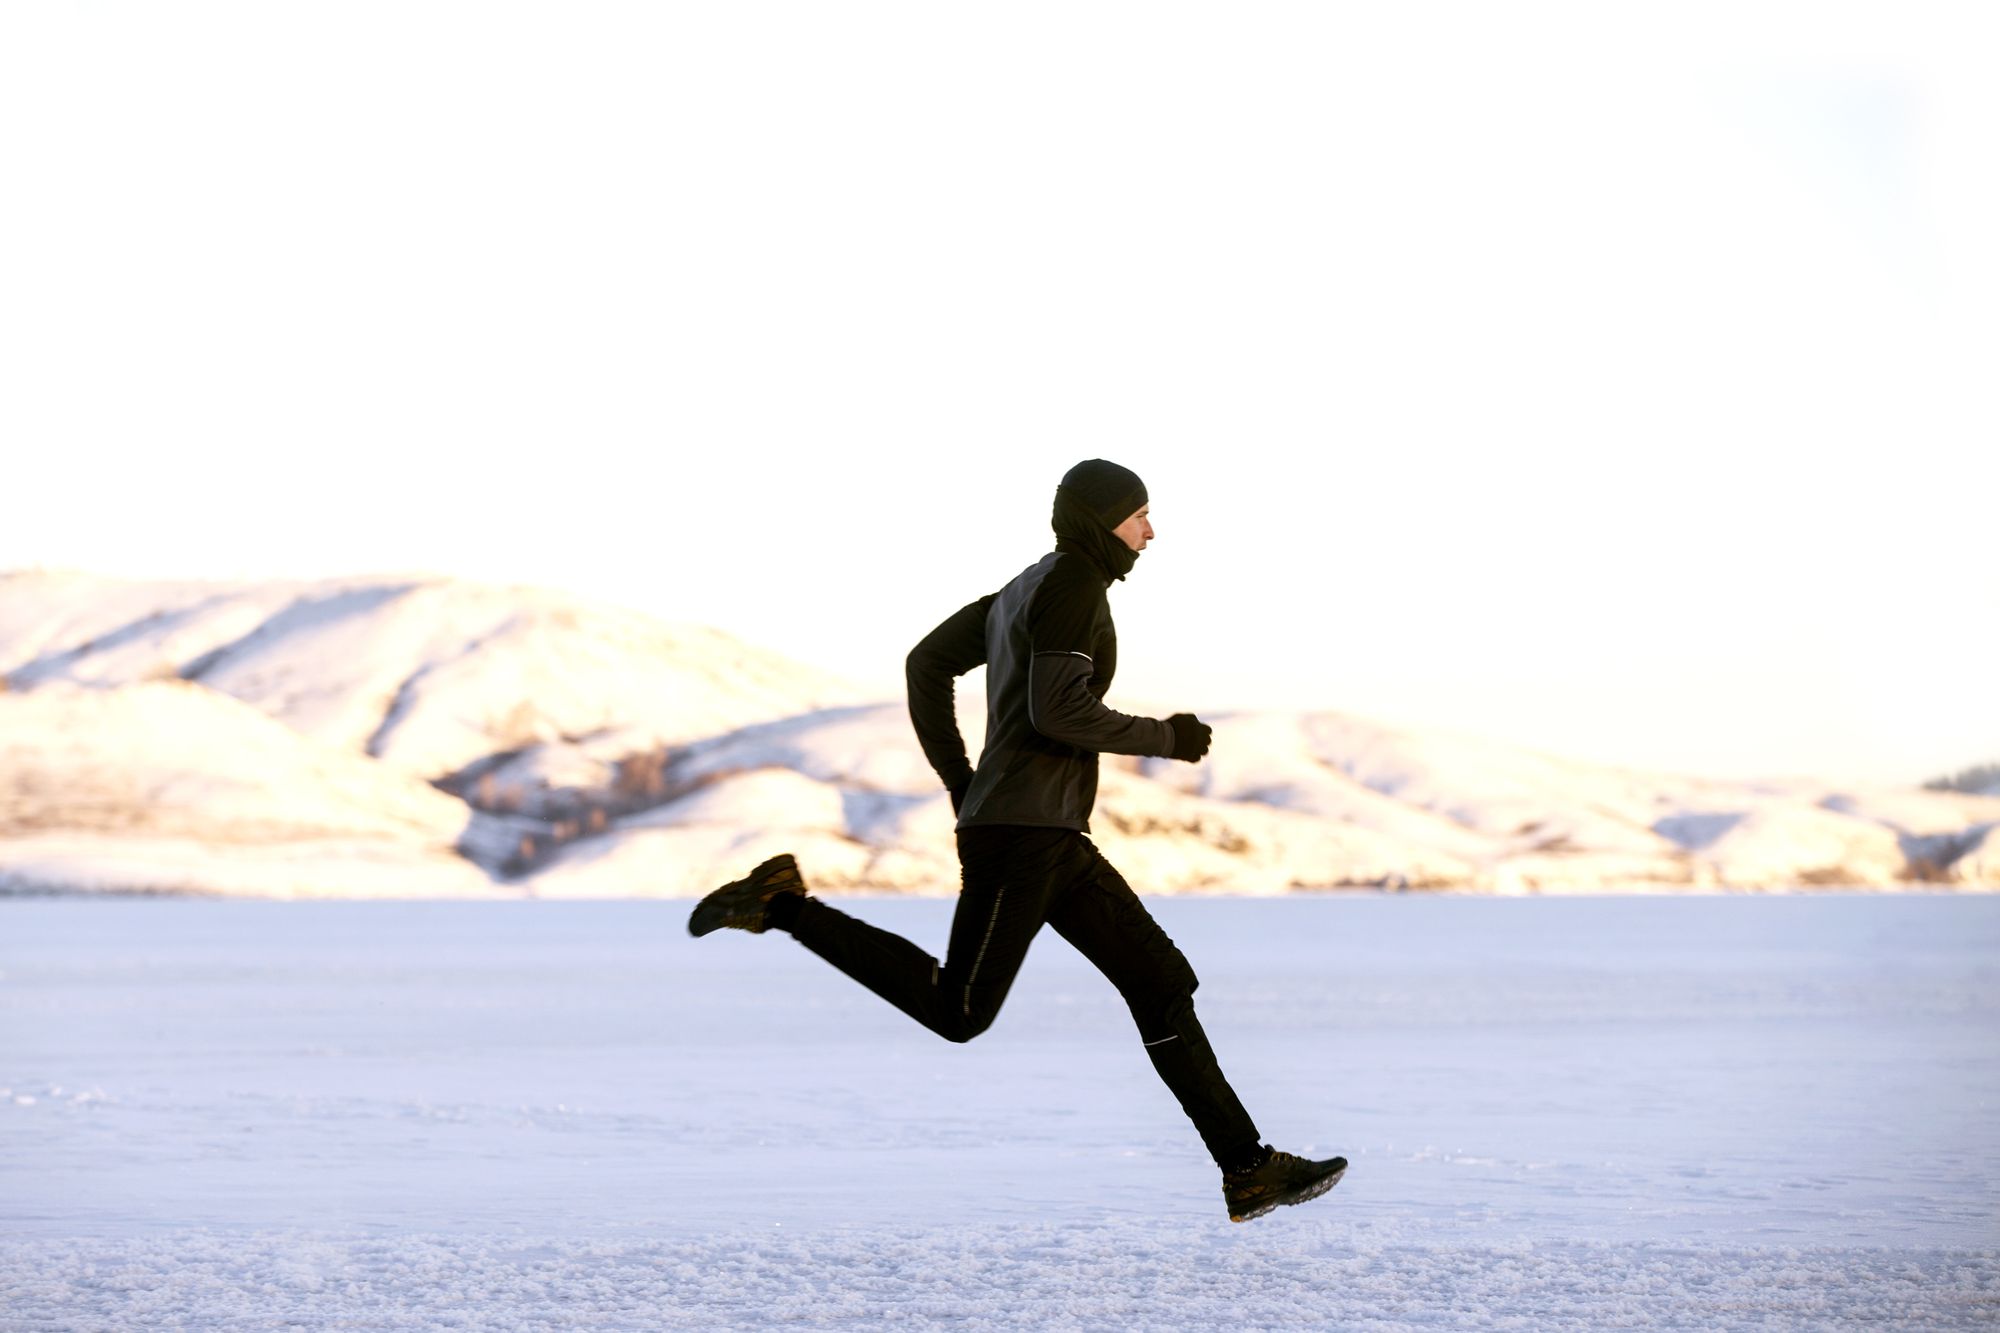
(1304, 1194)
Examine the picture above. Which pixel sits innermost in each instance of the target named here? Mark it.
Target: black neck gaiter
(1081, 532)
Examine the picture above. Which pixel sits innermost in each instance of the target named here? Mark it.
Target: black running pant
(1013, 881)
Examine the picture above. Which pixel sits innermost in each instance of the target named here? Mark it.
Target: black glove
(1190, 737)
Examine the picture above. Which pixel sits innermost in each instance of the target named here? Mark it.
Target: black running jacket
(1049, 649)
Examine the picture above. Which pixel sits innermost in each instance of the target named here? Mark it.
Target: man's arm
(934, 665)
(1060, 703)
(1062, 708)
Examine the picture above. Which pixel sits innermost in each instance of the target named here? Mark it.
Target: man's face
(1137, 530)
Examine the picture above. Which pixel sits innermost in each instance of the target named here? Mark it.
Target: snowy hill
(434, 737)
(429, 675)
(165, 786)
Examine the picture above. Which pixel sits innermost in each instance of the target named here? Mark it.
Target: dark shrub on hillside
(1981, 778)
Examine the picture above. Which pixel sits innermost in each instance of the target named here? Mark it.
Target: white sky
(1615, 379)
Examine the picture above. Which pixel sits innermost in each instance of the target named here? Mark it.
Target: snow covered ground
(1571, 1112)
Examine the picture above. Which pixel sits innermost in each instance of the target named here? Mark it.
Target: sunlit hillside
(431, 737)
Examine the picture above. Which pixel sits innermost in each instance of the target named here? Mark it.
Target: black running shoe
(746, 904)
(1280, 1179)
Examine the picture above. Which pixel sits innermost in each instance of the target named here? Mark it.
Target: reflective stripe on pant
(1013, 881)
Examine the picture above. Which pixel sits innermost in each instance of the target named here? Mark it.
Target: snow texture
(430, 737)
(1568, 1113)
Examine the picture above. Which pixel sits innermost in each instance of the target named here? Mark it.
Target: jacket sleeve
(1061, 704)
(934, 665)
(1062, 708)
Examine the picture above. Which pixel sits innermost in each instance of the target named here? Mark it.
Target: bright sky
(1619, 380)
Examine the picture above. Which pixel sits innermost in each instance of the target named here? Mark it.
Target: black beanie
(1110, 492)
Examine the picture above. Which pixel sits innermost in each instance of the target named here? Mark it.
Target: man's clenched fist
(1190, 737)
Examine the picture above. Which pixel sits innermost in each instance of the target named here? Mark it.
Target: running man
(1049, 649)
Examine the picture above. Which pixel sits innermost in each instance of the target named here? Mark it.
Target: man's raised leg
(1002, 901)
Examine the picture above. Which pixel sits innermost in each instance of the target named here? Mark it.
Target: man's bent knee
(963, 1022)
(961, 1029)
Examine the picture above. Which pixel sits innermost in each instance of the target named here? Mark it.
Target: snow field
(1562, 1113)
(1074, 1276)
